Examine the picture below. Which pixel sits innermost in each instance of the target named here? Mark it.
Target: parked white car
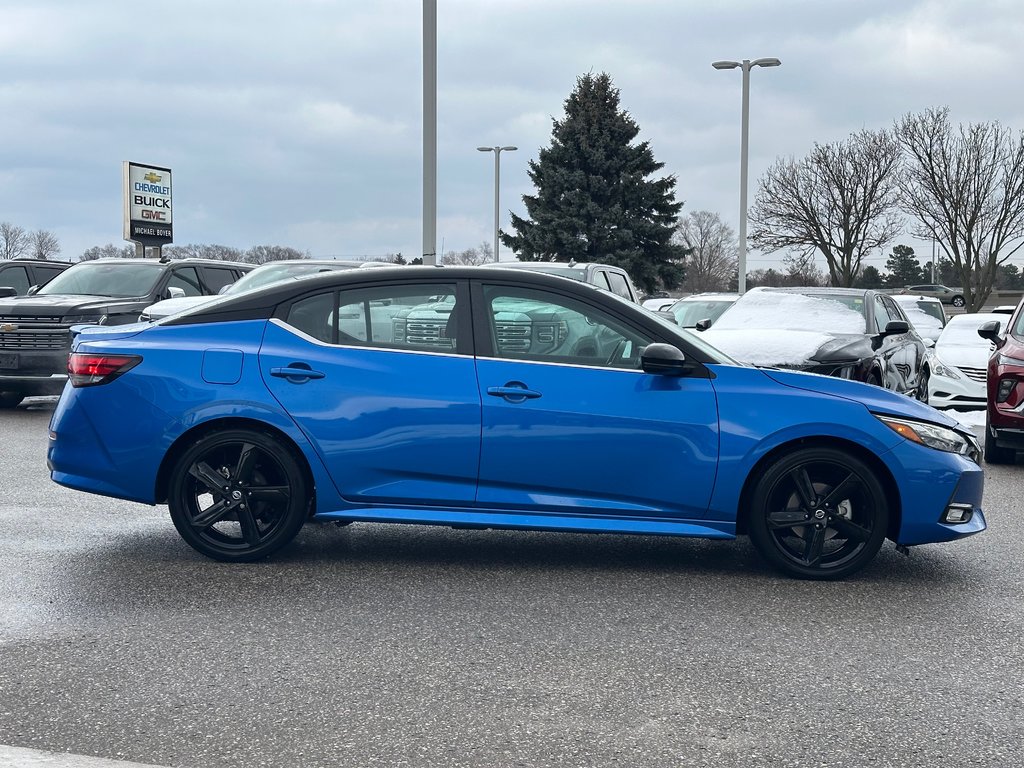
(691, 310)
(958, 364)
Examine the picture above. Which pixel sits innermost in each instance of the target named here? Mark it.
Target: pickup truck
(35, 331)
(613, 279)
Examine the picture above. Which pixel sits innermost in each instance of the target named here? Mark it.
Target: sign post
(148, 218)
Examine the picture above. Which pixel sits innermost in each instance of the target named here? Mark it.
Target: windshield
(274, 273)
(689, 312)
(114, 279)
(962, 330)
(779, 311)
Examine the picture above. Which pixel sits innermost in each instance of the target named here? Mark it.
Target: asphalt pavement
(376, 645)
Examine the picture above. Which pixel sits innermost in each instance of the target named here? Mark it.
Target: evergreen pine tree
(903, 267)
(594, 202)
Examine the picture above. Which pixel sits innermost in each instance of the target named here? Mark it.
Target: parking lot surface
(415, 646)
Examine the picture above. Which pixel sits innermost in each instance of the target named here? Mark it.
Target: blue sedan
(490, 398)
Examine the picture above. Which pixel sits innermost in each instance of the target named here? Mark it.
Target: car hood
(788, 348)
(62, 304)
(964, 355)
(874, 398)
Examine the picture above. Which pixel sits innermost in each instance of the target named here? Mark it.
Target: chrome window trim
(302, 335)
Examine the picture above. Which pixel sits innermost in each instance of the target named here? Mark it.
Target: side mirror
(928, 342)
(990, 331)
(6, 292)
(703, 325)
(33, 290)
(173, 292)
(894, 327)
(223, 289)
(663, 359)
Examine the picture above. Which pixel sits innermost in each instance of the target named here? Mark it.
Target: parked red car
(1004, 423)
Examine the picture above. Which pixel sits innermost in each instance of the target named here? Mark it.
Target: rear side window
(405, 317)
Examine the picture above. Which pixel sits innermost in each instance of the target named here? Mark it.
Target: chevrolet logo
(8, 327)
(152, 178)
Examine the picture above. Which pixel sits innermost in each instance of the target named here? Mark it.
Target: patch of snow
(968, 418)
(769, 347)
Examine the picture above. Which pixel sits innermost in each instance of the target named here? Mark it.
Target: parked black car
(35, 331)
(18, 275)
(846, 332)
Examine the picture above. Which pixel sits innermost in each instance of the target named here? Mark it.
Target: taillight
(87, 370)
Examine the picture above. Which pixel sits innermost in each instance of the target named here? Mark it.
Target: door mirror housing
(664, 314)
(173, 292)
(990, 331)
(663, 359)
(894, 327)
(33, 290)
(6, 292)
(702, 325)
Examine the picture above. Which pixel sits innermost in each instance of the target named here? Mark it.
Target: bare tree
(965, 188)
(14, 241)
(801, 270)
(842, 201)
(472, 257)
(43, 244)
(711, 251)
(260, 254)
(108, 251)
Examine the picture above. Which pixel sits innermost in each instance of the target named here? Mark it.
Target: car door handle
(297, 373)
(514, 392)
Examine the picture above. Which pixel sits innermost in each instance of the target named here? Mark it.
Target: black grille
(35, 338)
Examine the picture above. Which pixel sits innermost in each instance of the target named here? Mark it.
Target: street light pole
(497, 180)
(745, 65)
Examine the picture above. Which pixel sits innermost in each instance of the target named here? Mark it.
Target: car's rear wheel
(238, 495)
(994, 454)
(958, 301)
(10, 399)
(818, 513)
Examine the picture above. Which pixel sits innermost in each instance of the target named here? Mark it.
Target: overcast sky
(299, 122)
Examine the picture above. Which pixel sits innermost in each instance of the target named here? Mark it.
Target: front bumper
(32, 371)
(960, 392)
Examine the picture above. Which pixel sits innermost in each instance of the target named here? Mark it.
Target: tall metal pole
(430, 132)
(744, 141)
(497, 187)
(497, 184)
(745, 65)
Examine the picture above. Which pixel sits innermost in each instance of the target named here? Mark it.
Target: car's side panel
(597, 440)
(391, 426)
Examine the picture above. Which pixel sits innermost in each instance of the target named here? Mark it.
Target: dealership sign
(147, 204)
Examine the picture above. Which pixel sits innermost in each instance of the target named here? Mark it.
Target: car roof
(826, 290)
(909, 297)
(724, 295)
(165, 262)
(536, 264)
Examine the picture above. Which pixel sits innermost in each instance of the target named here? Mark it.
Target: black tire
(10, 399)
(921, 393)
(818, 513)
(238, 495)
(995, 454)
(958, 301)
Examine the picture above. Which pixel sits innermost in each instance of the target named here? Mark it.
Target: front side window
(218, 277)
(619, 285)
(187, 279)
(530, 324)
(423, 317)
(16, 278)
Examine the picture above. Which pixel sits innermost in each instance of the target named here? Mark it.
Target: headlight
(933, 436)
(939, 368)
(85, 319)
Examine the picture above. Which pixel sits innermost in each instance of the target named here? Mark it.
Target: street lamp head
(765, 63)
(485, 149)
(725, 64)
(509, 149)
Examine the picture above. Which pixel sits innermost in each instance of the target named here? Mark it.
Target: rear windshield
(107, 279)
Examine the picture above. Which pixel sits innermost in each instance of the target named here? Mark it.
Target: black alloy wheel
(818, 513)
(238, 495)
(958, 301)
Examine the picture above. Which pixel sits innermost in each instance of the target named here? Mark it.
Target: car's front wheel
(818, 513)
(921, 393)
(238, 495)
(958, 301)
